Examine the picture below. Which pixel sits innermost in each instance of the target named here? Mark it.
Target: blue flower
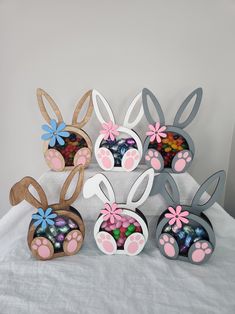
(55, 133)
(44, 218)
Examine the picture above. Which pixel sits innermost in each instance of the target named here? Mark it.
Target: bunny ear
(146, 105)
(40, 94)
(93, 187)
(78, 110)
(130, 199)
(20, 191)
(67, 202)
(127, 123)
(96, 96)
(197, 204)
(165, 185)
(198, 93)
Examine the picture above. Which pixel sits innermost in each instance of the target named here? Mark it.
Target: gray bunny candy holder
(168, 148)
(183, 231)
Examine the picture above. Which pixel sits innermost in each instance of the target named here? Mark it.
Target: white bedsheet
(91, 282)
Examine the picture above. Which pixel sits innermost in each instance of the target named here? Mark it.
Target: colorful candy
(118, 148)
(169, 147)
(72, 144)
(121, 229)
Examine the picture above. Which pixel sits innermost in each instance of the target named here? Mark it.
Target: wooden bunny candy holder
(65, 146)
(117, 148)
(120, 228)
(183, 231)
(168, 148)
(55, 230)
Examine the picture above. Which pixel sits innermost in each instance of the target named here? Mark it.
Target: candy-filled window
(72, 144)
(169, 146)
(187, 235)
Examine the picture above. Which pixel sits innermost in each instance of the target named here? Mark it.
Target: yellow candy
(168, 149)
(165, 140)
(174, 146)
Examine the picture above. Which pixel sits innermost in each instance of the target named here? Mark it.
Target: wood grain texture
(79, 107)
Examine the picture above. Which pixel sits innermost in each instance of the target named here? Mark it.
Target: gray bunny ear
(165, 185)
(146, 105)
(197, 204)
(198, 93)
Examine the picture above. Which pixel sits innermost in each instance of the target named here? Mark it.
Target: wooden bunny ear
(78, 109)
(67, 202)
(146, 93)
(197, 204)
(133, 204)
(127, 123)
(165, 185)
(20, 191)
(198, 93)
(40, 94)
(93, 187)
(96, 97)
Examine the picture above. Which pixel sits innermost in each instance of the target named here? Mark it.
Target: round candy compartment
(186, 235)
(72, 144)
(169, 147)
(119, 147)
(122, 229)
(57, 232)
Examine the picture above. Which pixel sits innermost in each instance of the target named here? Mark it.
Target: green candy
(127, 233)
(116, 237)
(131, 228)
(165, 145)
(116, 232)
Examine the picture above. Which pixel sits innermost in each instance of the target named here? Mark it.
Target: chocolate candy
(72, 144)
(169, 147)
(118, 148)
(60, 222)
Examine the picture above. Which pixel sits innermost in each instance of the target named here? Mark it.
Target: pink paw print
(134, 244)
(168, 246)
(42, 248)
(105, 158)
(200, 252)
(154, 159)
(131, 159)
(106, 243)
(181, 161)
(82, 157)
(54, 160)
(73, 242)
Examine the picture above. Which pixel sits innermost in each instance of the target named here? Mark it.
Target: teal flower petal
(60, 140)
(52, 141)
(37, 223)
(44, 225)
(53, 125)
(46, 136)
(52, 216)
(61, 127)
(48, 211)
(50, 222)
(63, 134)
(41, 212)
(46, 128)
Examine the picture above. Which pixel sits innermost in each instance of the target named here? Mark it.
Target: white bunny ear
(96, 96)
(127, 123)
(130, 199)
(92, 187)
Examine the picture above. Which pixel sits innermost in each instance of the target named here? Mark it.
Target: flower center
(54, 133)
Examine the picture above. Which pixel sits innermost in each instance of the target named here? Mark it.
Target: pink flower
(175, 215)
(109, 130)
(156, 132)
(111, 212)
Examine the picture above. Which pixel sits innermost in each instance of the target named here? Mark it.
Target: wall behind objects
(117, 47)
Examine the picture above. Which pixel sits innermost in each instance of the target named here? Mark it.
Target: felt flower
(177, 216)
(44, 218)
(109, 130)
(111, 212)
(54, 133)
(156, 132)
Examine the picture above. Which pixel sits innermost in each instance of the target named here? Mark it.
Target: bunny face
(65, 146)
(55, 230)
(120, 228)
(117, 148)
(184, 232)
(169, 148)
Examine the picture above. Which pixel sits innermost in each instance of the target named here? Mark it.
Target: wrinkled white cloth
(91, 282)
